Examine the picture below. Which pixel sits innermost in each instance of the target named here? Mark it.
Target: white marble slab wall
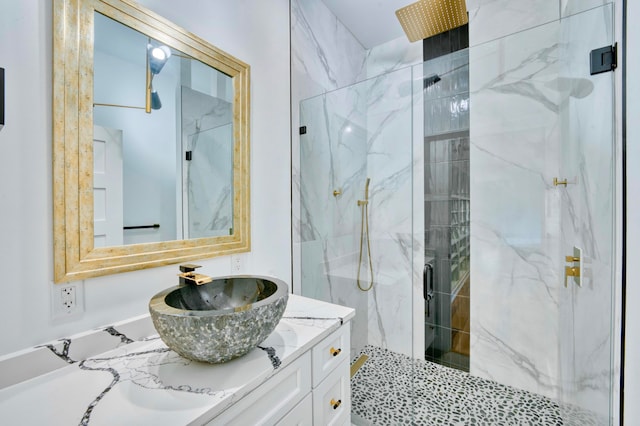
(389, 166)
(392, 55)
(588, 161)
(515, 210)
(493, 19)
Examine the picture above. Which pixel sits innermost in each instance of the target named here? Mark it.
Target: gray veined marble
(221, 320)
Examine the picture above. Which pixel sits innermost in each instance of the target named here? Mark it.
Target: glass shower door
(542, 182)
(587, 164)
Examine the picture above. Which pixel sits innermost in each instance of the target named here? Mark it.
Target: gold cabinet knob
(336, 192)
(572, 259)
(334, 352)
(335, 404)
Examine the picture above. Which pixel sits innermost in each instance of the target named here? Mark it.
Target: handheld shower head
(366, 189)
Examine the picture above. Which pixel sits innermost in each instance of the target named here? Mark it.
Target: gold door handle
(570, 271)
(557, 182)
(570, 259)
(335, 404)
(334, 352)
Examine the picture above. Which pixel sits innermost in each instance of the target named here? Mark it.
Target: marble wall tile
(324, 54)
(493, 19)
(392, 55)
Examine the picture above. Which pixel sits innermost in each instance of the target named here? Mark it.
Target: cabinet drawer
(300, 415)
(332, 398)
(273, 399)
(329, 353)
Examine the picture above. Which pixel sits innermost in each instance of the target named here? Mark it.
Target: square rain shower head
(426, 18)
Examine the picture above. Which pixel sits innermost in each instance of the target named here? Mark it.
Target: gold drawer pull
(334, 352)
(335, 404)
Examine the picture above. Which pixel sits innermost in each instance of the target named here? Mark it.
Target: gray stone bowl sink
(221, 320)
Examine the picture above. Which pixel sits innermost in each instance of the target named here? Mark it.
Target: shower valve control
(574, 270)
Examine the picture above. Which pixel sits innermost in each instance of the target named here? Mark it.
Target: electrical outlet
(67, 300)
(236, 264)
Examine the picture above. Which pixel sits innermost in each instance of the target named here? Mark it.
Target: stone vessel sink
(221, 320)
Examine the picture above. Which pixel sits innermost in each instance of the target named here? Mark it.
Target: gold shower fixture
(426, 18)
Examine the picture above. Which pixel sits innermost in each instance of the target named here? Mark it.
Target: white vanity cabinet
(312, 390)
(331, 381)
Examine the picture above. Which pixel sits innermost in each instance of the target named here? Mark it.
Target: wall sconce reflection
(157, 56)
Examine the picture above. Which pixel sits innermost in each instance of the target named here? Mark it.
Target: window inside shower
(446, 210)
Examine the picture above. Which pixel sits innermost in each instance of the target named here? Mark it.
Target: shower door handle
(427, 285)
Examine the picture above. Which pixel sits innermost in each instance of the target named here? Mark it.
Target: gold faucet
(189, 277)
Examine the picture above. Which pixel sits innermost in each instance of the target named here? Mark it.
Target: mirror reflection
(163, 141)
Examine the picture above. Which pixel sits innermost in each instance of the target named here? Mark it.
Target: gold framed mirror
(77, 254)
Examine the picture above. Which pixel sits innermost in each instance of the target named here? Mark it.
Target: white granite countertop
(140, 381)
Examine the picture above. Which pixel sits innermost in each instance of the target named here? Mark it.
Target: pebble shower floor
(393, 389)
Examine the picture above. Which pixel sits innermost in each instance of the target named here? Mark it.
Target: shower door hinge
(188, 155)
(303, 130)
(604, 59)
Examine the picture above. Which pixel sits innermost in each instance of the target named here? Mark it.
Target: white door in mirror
(108, 215)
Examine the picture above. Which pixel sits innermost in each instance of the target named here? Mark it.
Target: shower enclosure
(537, 138)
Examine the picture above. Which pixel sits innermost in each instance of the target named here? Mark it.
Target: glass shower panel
(332, 177)
(515, 210)
(359, 133)
(587, 163)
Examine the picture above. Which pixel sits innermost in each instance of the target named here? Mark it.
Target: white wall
(26, 255)
(632, 364)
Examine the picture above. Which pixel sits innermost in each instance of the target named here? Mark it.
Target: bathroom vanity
(124, 374)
